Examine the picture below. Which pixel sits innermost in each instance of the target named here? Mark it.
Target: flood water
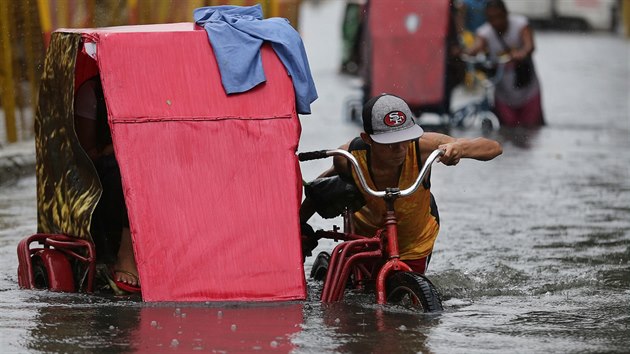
(533, 253)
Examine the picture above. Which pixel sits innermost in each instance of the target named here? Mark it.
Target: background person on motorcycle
(391, 151)
(517, 102)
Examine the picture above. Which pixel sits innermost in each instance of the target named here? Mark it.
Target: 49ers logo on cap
(395, 118)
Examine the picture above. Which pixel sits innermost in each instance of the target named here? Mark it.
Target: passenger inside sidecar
(110, 223)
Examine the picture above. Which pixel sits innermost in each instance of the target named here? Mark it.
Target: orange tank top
(417, 216)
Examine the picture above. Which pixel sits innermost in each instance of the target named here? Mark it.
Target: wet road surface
(533, 254)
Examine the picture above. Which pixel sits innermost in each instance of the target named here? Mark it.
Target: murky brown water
(533, 256)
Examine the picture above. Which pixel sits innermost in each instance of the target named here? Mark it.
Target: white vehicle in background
(578, 14)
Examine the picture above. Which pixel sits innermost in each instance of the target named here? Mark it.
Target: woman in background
(517, 94)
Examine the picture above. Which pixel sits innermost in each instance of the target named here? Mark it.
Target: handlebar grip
(313, 155)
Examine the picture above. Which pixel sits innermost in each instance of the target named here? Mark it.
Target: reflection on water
(80, 323)
(222, 329)
(374, 329)
(358, 325)
(92, 324)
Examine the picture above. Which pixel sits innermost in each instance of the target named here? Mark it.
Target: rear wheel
(320, 266)
(413, 290)
(40, 274)
(52, 270)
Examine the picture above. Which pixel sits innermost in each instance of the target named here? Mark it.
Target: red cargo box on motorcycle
(211, 180)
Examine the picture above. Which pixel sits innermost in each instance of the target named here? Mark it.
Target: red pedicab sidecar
(211, 181)
(405, 52)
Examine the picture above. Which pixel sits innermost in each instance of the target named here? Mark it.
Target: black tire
(413, 290)
(489, 122)
(320, 266)
(40, 273)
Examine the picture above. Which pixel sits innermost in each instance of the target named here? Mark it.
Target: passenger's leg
(125, 267)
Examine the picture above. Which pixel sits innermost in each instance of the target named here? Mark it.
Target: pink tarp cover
(211, 181)
(407, 49)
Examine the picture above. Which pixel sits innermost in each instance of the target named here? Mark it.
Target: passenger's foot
(125, 269)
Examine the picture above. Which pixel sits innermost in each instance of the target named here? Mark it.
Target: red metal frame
(57, 268)
(69, 247)
(362, 255)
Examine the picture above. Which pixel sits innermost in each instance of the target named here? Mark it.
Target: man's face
(390, 155)
(497, 18)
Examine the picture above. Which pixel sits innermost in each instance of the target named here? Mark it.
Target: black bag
(523, 72)
(331, 195)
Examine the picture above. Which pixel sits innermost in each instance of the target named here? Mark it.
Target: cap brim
(410, 133)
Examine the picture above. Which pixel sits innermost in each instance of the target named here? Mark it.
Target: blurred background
(25, 28)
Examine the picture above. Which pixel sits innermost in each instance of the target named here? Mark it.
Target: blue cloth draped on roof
(236, 34)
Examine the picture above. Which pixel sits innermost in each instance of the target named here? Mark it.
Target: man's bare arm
(458, 148)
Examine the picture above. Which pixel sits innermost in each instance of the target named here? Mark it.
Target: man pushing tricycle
(397, 218)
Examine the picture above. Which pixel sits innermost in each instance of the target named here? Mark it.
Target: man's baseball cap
(388, 119)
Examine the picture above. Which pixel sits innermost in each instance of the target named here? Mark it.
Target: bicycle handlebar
(313, 155)
(486, 64)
